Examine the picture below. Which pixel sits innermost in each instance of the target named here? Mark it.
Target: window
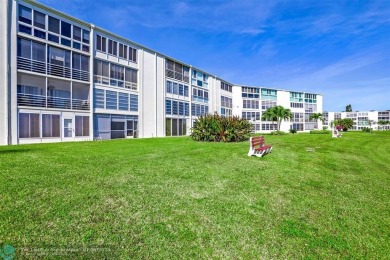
(176, 71)
(181, 90)
(296, 105)
(132, 54)
(53, 38)
(38, 51)
(267, 127)
(251, 104)
(39, 20)
(200, 95)
(168, 107)
(198, 109)
(181, 108)
(111, 100)
(25, 29)
(99, 98)
(82, 126)
(174, 108)
(59, 56)
(131, 75)
(85, 36)
(76, 33)
(77, 45)
(310, 98)
(29, 125)
(250, 92)
(31, 50)
(199, 79)
(24, 48)
(298, 127)
(268, 94)
(50, 125)
(101, 43)
(117, 75)
(66, 29)
(112, 47)
(175, 127)
(39, 34)
(24, 14)
(66, 42)
(296, 97)
(123, 101)
(54, 25)
(80, 62)
(226, 102)
(133, 102)
(169, 87)
(122, 51)
(226, 87)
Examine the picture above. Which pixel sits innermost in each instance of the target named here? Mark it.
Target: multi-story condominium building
(63, 79)
(250, 102)
(361, 119)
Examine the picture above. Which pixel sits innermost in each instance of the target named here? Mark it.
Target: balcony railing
(31, 65)
(52, 69)
(52, 102)
(59, 71)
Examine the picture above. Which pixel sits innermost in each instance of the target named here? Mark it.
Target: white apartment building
(361, 119)
(63, 79)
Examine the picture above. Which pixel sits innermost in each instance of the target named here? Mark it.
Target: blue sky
(340, 49)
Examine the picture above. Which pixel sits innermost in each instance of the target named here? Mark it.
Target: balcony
(30, 100)
(52, 69)
(31, 65)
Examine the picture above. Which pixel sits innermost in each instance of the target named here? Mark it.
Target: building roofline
(117, 36)
(247, 86)
(143, 47)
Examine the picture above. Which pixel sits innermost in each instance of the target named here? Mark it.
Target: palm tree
(277, 114)
(316, 117)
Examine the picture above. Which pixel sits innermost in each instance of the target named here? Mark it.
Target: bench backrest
(258, 141)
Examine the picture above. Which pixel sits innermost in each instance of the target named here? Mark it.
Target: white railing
(30, 100)
(80, 75)
(31, 65)
(59, 71)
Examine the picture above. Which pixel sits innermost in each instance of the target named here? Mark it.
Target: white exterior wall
(237, 100)
(148, 94)
(160, 96)
(4, 22)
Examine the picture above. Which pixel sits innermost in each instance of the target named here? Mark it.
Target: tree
(277, 114)
(316, 117)
(345, 123)
(348, 108)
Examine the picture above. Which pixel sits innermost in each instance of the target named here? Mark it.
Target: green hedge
(216, 128)
(320, 131)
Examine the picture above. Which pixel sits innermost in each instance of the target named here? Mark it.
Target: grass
(313, 197)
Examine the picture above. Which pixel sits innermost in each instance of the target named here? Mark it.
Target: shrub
(320, 131)
(367, 129)
(216, 128)
(277, 132)
(293, 131)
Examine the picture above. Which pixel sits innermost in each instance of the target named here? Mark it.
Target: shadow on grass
(11, 151)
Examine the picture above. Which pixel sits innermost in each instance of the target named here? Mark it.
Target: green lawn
(313, 197)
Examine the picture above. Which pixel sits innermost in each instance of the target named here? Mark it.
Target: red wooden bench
(258, 146)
